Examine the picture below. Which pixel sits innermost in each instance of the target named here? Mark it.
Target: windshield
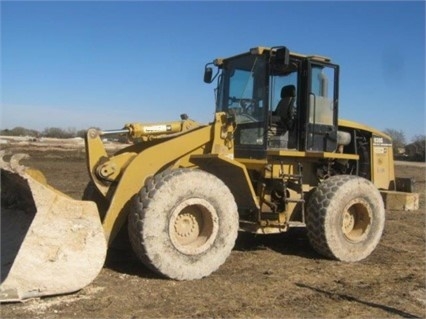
(242, 88)
(243, 94)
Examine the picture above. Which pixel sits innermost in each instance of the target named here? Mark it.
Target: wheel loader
(276, 156)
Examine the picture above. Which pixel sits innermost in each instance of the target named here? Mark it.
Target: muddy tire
(345, 218)
(183, 223)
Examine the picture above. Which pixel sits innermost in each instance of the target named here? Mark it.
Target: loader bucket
(50, 243)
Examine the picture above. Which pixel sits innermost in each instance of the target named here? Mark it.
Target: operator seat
(286, 109)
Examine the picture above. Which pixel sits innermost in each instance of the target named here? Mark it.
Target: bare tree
(19, 131)
(398, 140)
(57, 132)
(416, 149)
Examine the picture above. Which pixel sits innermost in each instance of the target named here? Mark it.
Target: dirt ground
(278, 276)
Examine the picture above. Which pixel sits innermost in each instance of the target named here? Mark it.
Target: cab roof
(267, 50)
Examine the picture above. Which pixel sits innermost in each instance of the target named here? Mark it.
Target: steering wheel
(248, 105)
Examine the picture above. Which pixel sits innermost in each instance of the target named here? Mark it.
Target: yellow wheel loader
(275, 156)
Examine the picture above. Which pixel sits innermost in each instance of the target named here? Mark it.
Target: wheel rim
(193, 226)
(356, 221)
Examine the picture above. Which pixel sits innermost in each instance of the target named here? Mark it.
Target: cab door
(322, 107)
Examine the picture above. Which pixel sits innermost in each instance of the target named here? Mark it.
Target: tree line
(414, 150)
(54, 132)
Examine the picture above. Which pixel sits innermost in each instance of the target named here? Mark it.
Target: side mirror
(208, 73)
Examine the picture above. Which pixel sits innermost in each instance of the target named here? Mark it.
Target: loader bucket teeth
(51, 244)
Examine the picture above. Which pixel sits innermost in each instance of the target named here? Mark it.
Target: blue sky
(81, 64)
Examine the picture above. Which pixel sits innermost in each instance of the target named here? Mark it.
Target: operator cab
(280, 100)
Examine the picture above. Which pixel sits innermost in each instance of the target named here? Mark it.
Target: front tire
(345, 218)
(183, 224)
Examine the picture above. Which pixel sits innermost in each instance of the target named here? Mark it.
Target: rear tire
(345, 218)
(183, 224)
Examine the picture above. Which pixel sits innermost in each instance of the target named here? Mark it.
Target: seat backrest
(288, 94)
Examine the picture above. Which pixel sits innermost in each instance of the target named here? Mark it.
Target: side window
(321, 97)
(278, 82)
